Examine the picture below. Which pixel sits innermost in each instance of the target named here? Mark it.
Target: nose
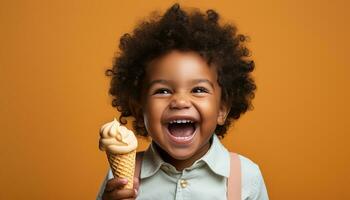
(179, 101)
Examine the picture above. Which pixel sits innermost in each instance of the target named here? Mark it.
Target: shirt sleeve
(253, 186)
(109, 175)
(259, 191)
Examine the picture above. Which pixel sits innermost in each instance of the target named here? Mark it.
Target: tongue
(181, 130)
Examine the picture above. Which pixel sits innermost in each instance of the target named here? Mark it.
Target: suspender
(233, 182)
(139, 157)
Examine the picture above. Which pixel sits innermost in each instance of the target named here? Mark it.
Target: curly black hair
(184, 31)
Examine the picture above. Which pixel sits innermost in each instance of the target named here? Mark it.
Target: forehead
(180, 66)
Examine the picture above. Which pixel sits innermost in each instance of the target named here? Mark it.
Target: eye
(200, 90)
(163, 91)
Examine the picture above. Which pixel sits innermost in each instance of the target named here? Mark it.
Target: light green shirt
(205, 180)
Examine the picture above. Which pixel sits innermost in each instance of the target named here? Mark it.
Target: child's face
(182, 104)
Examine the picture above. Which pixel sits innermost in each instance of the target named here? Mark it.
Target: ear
(223, 112)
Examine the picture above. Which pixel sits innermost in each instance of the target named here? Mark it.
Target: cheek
(209, 108)
(152, 113)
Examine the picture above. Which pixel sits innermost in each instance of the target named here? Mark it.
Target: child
(184, 78)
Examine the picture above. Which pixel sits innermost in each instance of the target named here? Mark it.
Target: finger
(115, 183)
(122, 194)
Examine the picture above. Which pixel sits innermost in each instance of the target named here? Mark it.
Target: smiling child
(184, 79)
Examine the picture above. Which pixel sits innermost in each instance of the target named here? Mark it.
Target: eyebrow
(203, 81)
(166, 82)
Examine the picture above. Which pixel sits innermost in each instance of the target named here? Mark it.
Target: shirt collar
(217, 159)
(151, 162)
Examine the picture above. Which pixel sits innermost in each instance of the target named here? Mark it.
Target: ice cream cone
(123, 166)
(120, 144)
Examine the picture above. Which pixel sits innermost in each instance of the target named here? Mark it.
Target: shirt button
(183, 183)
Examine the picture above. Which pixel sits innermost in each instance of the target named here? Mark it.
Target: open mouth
(181, 131)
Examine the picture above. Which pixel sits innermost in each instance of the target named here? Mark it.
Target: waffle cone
(123, 166)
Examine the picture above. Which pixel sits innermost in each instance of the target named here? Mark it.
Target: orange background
(54, 98)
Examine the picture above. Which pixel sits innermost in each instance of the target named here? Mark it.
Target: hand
(114, 191)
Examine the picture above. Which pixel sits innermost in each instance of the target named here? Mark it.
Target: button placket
(182, 186)
(178, 195)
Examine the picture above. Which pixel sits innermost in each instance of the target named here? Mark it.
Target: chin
(182, 154)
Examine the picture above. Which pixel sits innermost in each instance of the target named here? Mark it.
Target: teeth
(179, 121)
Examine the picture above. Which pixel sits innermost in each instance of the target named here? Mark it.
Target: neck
(182, 164)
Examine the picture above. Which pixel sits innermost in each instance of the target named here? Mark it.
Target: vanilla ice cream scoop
(116, 139)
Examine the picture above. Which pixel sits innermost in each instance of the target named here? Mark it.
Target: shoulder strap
(234, 180)
(139, 157)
